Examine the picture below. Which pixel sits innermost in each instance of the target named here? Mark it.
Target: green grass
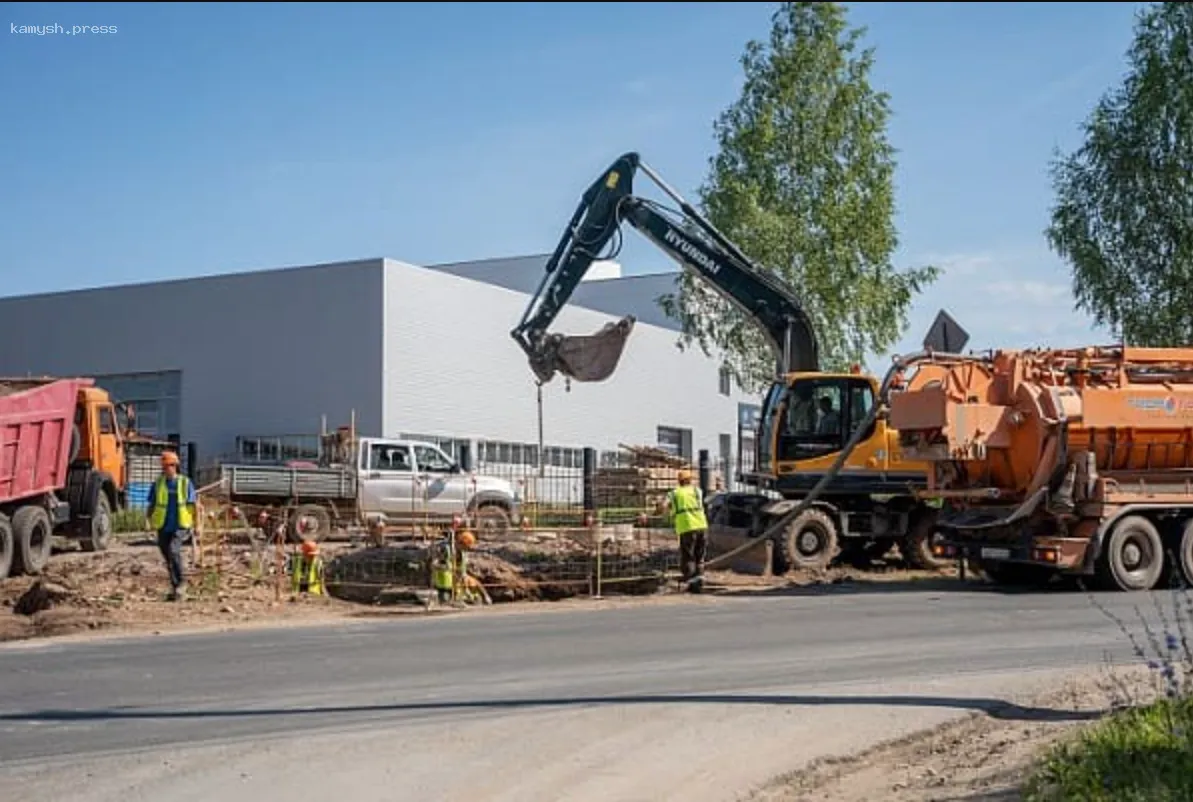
(126, 521)
(1139, 755)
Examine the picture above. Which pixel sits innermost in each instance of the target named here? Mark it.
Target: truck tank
(1064, 445)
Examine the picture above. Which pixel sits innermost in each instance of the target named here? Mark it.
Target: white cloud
(1004, 297)
(1037, 293)
(959, 264)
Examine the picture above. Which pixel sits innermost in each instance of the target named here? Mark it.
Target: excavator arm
(691, 240)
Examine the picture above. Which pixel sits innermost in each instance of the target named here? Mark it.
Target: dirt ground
(122, 590)
(985, 757)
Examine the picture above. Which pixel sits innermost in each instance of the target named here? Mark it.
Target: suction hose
(900, 363)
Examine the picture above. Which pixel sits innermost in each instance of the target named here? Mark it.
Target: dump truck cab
(100, 439)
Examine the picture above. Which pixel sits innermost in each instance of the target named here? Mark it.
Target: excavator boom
(692, 241)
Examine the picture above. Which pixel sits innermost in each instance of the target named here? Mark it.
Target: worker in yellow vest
(307, 573)
(172, 515)
(685, 505)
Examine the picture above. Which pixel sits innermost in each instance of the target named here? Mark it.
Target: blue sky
(216, 138)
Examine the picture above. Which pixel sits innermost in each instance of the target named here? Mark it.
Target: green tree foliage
(1123, 215)
(803, 183)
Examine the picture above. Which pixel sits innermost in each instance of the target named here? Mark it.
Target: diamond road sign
(945, 335)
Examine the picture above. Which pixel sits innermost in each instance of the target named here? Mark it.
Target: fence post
(705, 471)
(590, 467)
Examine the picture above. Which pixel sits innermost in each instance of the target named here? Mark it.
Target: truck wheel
(1186, 554)
(810, 541)
(7, 546)
(492, 519)
(1133, 558)
(916, 547)
(99, 530)
(310, 522)
(34, 539)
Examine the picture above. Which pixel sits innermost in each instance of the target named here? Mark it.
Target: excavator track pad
(582, 358)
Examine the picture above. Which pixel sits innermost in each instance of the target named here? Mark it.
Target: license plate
(996, 554)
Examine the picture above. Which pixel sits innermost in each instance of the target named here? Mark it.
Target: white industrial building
(249, 365)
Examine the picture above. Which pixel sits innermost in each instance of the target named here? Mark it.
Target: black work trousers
(692, 546)
(170, 545)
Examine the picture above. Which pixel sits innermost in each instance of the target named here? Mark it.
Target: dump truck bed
(36, 426)
(279, 481)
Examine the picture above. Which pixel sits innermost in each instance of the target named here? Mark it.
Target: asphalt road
(692, 700)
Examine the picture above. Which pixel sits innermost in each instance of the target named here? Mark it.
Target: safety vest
(186, 518)
(687, 509)
(441, 568)
(309, 573)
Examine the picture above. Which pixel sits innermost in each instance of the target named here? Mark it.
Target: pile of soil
(125, 588)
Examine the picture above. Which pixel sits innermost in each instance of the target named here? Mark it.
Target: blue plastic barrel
(138, 495)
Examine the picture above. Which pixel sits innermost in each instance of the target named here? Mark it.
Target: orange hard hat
(169, 458)
(467, 540)
(309, 548)
(684, 475)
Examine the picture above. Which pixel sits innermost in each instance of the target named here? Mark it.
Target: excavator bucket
(583, 358)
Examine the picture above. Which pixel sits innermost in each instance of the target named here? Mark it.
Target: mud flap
(584, 358)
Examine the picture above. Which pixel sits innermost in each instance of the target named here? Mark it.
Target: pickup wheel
(7, 546)
(492, 519)
(810, 542)
(309, 522)
(34, 539)
(1133, 557)
(99, 530)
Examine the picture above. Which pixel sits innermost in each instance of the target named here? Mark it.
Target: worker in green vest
(685, 506)
(172, 516)
(307, 570)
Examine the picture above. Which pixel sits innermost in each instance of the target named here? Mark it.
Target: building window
(726, 446)
(675, 441)
(153, 397)
(726, 381)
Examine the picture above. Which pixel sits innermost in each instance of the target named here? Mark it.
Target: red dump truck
(63, 468)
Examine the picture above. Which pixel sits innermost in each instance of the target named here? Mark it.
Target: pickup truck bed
(275, 481)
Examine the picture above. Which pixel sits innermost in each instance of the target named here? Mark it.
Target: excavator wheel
(916, 547)
(809, 543)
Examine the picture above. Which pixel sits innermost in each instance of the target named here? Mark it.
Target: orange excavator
(1060, 461)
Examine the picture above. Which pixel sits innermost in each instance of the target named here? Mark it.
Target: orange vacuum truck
(1059, 461)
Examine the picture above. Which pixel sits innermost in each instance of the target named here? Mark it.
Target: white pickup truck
(399, 481)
